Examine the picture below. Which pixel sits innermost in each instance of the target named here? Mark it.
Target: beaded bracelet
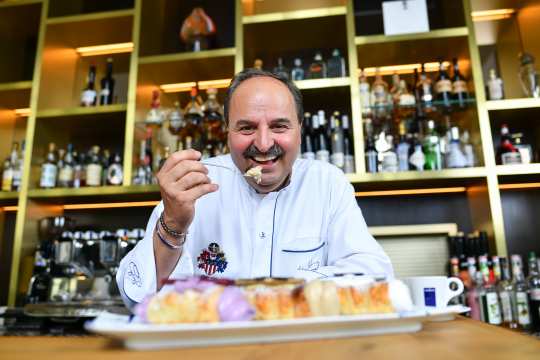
(168, 243)
(168, 230)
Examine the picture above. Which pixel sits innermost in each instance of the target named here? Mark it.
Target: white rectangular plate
(140, 336)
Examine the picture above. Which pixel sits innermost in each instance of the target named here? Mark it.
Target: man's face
(264, 130)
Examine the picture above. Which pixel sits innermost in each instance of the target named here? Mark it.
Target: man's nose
(263, 140)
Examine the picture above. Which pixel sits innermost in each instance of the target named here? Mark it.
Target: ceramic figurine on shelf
(196, 30)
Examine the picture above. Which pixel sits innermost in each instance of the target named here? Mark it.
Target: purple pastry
(234, 306)
(140, 309)
(192, 283)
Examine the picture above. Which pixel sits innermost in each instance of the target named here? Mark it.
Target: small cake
(255, 173)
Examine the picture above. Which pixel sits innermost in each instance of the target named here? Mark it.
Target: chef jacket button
(262, 235)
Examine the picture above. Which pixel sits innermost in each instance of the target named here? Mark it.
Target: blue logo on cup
(429, 297)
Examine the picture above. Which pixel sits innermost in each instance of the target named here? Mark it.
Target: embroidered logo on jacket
(133, 274)
(212, 260)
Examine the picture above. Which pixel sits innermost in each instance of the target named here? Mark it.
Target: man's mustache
(252, 151)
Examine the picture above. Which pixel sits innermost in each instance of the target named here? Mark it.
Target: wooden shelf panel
(511, 104)
(82, 111)
(16, 85)
(518, 169)
(323, 83)
(8, 195)
(295, 15)
(95, 194)
(88, 17)
(207, 54)
(434, 34)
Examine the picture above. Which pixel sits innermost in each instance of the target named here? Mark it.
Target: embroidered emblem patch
(133, 273)
(212, 260)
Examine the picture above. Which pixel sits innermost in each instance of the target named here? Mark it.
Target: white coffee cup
(433, 291)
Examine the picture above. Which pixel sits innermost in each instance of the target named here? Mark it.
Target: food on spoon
(255, 173)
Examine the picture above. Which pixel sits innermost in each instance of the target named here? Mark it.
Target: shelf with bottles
(8, 197)
(19, 33)
(170, 27)
(69, 9)
(77, 58)
(100, 195)
(181, 121)
(442, 14)
(516, 138)
(312, 34)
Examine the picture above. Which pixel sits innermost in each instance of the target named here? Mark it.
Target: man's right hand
(182, 180)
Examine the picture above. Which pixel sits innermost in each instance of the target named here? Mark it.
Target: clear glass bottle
(365, 93)
(176, 119)
(281, 70)
(468, 149)
(317, 69)
(337, 156)
(379, 94)
(49, 169)
(533, 281)
(495, 86)
(94, 168)
(336, 65)
(403, 148)
(193, 116)
(115, 171)
(520, 294)
(417, 159)
(454, 156)
(155, 115)
(388, 157)
(505, 295)
(348, 146)
(297, 73)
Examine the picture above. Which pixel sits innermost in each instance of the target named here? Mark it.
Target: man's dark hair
(251, 73)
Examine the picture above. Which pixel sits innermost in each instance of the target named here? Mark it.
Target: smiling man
(300, 220)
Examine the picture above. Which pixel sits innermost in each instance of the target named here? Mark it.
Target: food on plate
(255, 173)
(202, 299)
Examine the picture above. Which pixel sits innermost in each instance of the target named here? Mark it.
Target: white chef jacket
(311, 228)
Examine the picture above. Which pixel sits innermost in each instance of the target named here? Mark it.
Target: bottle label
(65, 175)
(115, 174)
(323, 155)
(443, 86)
(506, 305)
(535, 294)
(48, 176)
(93, 175)
(459, 86)
(511, 158)
(104, 92)
(7, 179)
(338, 159)
(522, 306)
(88, 97)
(493, 309)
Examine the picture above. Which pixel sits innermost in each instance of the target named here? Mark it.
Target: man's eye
(280, 127)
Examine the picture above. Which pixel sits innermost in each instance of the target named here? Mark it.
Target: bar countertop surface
(461, 338)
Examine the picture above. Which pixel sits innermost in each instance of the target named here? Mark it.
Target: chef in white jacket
(300, 220)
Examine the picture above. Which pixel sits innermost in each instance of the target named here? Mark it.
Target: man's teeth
(264, 158)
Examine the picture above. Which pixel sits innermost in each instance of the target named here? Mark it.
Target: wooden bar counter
(459, 339)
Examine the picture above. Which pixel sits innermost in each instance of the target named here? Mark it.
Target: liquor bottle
(79, 170)
(533, 281)
(193, 116)
(317, 69)
(474, 293)
(155, 116)
(166, 154)
(507, 153)
(60, 165)
(106, 95)
(505, 295)
(387, 157)
(148, 153)
(454, 156)
(66, 172)
(297, 73)
(394, 89)
(417, 160)
(489, 300)
(337, 143)
(348, 147)
(213, 122)
(18, 168)
(115, 171)
(141, 173)
(49, 170)
(7, 175)
(105, 163)
(528, 76)
(525, 150)
(468, 150)
(365, 93)
(281, 70)
(94, 168)
(459, 85)
(379, 94)
(323, 152)
(403, 148)
(432, 148)
(89, 95)
(425, 89)
(308, 146)
(336, 65)
(495, 86)
(405, 98)
(258, 64)
(176, 119)
(519, 293)
(371, 156)
(443, 86)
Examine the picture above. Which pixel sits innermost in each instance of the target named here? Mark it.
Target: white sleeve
(136, 276)
(351, 248)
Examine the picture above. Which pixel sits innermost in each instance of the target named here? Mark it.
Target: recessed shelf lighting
(202, 85)
(403, 69)
(490, 15)
(105, 49)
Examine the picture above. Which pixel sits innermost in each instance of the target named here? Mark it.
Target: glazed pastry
(255, 173)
